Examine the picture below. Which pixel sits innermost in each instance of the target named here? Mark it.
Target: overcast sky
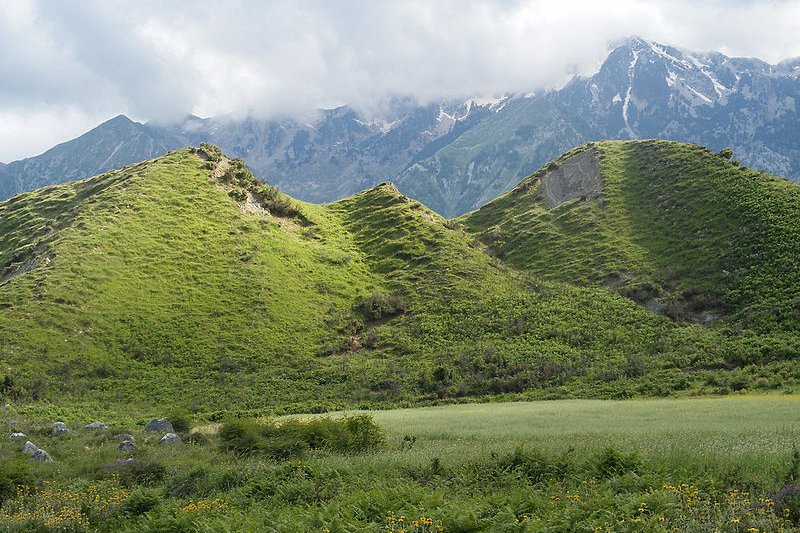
(65, 66)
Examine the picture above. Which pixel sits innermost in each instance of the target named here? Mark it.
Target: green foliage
(181, 421)
(296, 438)
(378, 306)
(141, 501)
(13, 474)
(611, 462)
(636, 465)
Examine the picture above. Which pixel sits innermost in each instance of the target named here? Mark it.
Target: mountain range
(620, 268)
(455, 156)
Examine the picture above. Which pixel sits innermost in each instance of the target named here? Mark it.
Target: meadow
(716, 463)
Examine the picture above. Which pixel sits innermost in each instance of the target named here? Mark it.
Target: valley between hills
(184, 287)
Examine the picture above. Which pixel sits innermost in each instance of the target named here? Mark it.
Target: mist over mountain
(457, 155)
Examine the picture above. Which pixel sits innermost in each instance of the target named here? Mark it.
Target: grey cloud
(159, 60)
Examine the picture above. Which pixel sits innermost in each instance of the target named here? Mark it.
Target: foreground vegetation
(724, 464)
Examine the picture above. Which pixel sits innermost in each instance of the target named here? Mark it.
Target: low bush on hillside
(379, 305)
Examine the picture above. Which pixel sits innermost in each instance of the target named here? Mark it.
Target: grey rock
(30, 448)
(124, 437)
(17, 435)
(60, 428)
(126, 446)
(170, 438)
(41, 456)
(96, 426)
(576, 177)
(159, 425)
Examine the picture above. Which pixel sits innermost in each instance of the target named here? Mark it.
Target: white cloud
(68, 65)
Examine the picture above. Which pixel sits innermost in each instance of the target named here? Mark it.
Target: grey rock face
(96, 426)
(170, 438)
(123, 437)
(17, 435)
(60, 428)
(577, 177)
(41, 456)
(159, 425)
(30, 448)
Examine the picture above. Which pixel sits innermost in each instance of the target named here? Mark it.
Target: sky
(66, 66)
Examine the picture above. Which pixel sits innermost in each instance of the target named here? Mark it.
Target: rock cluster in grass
(36, 453)
(127, 442)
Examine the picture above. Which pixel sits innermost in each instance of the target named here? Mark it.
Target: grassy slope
(675, 221)
(160, 287)
(161, 292)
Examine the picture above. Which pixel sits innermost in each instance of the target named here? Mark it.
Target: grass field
(725, 464)
(768, 424)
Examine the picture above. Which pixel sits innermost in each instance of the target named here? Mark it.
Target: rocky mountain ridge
(457, 155)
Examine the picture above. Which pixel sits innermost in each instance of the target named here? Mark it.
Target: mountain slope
(185, 281)
(113, 144)
(456, 155)
(672, 225)
(643, 90)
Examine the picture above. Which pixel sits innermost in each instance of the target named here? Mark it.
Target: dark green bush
(181, 421)
(295, 438)
(610, 462)
(139, 472)
(141, 501)
(241, 436)
(379, 305)
(363, 434)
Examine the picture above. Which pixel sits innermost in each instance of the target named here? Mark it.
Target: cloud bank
(65, 66)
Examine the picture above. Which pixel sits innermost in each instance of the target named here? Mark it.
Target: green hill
(183, 282)
(674, 226)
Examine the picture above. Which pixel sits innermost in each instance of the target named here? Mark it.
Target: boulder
(17, 435)
(29, 448)
(123, 437)
(41, 456)
(96, 426)
(59, 428)
(126, 446)
(159, 425)
(170, 438)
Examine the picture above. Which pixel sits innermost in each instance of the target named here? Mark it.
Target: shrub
(240, 436)
(379, 305)
(363, 434)
(295, 438)
(610, 462)
(181, 421)
(141, 501)
(138, 472)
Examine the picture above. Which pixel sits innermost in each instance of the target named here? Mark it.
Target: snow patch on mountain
(626, 103)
